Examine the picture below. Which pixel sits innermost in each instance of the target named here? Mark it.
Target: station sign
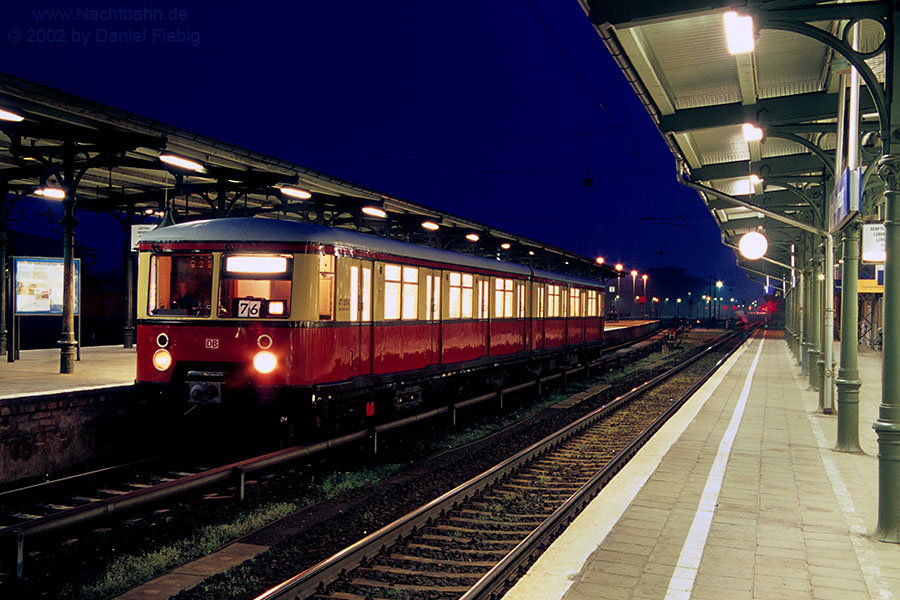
(38, 285)
(844, 204)
(137, 231)
(873, 238)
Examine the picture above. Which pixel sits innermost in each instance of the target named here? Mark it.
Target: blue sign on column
(845, 197)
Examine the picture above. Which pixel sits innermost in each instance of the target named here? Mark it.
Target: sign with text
(137, 231)
(844, 203)
(38, 284)
(873, 242)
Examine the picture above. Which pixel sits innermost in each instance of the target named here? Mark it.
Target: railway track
(54, 506)
(473, 540)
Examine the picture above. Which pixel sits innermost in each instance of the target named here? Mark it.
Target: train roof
(293, 232)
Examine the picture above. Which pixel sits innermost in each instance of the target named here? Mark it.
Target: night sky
(495, 111)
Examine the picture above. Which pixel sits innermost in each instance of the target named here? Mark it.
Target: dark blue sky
(470, 107)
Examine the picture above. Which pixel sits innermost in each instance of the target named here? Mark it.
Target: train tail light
(162, 359)
(265, 362)
(276, 307)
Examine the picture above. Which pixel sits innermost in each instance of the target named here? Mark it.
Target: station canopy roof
(676, 57)
(115, 159)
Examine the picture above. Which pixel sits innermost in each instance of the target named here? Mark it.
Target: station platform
(738, 496)
(36, 372)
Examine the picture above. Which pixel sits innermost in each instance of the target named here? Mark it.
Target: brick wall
(48, 433)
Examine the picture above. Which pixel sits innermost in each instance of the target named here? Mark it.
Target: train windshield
(180, 284)
(255, 286)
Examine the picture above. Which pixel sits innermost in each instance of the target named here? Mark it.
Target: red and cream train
(323, 323)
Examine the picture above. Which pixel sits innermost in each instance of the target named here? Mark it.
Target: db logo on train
(212, 343)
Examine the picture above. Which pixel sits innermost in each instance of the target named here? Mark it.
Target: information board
(873, 243)
(38, 285)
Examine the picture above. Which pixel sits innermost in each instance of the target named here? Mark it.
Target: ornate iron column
(848, 381)
(67, 341)
(815, 322)
(807, 345)
(4, 191)
(888, 424)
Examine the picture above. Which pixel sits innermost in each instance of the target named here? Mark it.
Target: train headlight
(162, 359)
(265, 362)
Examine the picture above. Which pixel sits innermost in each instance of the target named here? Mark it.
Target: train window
(552, 300)
(483, 298)
(461, 295)
(591, 303)
(180, 284)
(574, 302)
(401, 292)
(366, 304)
(433, 297)
(541, 293)
(354, 293)
(520, 300)
(255, 286)
(503, 297)
(326, 287)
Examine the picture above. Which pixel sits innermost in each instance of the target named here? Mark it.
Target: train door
(484, 314)
(361, 316)
(433, 314)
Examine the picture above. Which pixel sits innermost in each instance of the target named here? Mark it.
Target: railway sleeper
(429, 566)
(460, 554)
(370, 589)
(475, 564)
(395, 575)
(454, 532)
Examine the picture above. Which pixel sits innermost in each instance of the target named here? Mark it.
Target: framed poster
(38, 286)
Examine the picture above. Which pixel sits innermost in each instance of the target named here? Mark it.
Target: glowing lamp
(430, 225)
(600, 260)
(183, 163)
(506, 245)
(276, 307)
(265, 362)
(52, 193)
(753, 245)
(295, 193)
(473, 237)
(162, 359)
(5, 115)
(738, 32)
(374, 211)
(752, 133)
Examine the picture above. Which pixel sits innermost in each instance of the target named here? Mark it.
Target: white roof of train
(244, 229)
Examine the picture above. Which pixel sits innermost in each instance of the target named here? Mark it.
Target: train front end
(214, 324)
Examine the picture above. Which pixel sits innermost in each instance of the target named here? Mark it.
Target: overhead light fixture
(600, 260)
(752, 133)
(738, 32)
(184, 163)
(430, 225)
(753, 245)
(473, 237)
(295, 193)
(148, 211)
(619, 266)
(374, 211)
(506, 245)
(531, 253)
(51, 192)
(5, 115)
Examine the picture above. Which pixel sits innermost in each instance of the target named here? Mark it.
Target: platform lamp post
(634, 275)
(677, 302)
(644, 277)
(718, 299)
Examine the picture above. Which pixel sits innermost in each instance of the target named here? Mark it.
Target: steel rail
(316, 577)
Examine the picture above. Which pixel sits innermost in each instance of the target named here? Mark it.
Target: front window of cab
(180, 284)
(255, 286)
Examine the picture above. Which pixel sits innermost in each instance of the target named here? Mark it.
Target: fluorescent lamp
(295, 193)
(430, 225)
(256, 264)
(506, 245)
(752, 133)
(473, 237)
(738, 33)
(184, 163)
(5, 115)
(52, 193)
(374, 211)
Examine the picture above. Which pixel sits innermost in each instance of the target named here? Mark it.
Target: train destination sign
(38, 285)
